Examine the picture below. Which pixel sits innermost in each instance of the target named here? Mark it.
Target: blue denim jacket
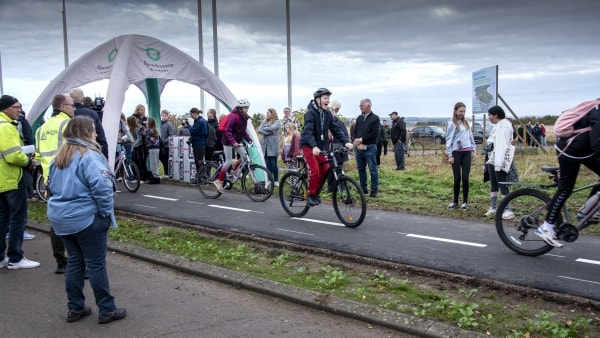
(79, 192)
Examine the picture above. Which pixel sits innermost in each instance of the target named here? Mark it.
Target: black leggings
(461, 168)
(569, 170)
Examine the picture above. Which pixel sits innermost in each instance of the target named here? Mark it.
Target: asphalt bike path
(451, 245)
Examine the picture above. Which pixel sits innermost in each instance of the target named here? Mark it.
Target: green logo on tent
(112, 54)
(153, 54)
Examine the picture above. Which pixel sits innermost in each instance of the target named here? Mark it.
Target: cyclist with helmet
(318, 121)
(235, 132)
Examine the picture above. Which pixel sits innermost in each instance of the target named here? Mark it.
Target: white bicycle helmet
(243, 103)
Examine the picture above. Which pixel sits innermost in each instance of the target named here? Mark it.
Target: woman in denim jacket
(81, 211)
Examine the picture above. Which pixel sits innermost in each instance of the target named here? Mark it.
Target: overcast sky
(415, 57)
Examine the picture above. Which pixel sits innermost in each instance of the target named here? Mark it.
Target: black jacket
(100, 136)
(317, 123)
(398, 131)
(367, 128)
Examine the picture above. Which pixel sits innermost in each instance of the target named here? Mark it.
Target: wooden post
(519, 121)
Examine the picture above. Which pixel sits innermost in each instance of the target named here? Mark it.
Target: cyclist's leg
(313, 170)
(228, 150)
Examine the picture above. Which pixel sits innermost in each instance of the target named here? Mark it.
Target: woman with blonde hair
(460, 148)
(291, 143)
(269, 129)
(81, 210)
(153, 145)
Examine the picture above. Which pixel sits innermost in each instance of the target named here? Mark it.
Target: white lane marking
(146, 206)
(551, 255)
(234, 209)
(447, 240)
(162, 198)
(296, 232)
(579, 280)
(583, 260)
(318, 221)
(194, 202)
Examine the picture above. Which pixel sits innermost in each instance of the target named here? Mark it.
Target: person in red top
(235, 133)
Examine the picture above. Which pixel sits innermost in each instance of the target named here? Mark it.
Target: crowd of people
(72, 151)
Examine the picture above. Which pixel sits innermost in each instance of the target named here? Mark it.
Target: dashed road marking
(580, 280)
(318, 221)
(234, 209)
(296, 232)
(162, 198)
(583, 260)
(447, 240)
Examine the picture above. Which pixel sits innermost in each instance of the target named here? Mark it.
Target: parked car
(429, 133)
(478, 132)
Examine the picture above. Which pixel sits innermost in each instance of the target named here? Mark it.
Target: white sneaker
(24, 263)
(276, 183)
(4, 263)
(549, 237)
(219, 185)
(508, 214)
(28, 236)
(490, 212)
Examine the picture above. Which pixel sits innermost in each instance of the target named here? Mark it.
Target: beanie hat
(7, 101)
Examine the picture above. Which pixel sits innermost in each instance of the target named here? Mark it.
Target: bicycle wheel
(349, 202)
(293, 194)
(131, 175)
(40, 187)
(529, 209)
(258, 183)
(417, 148)
(207, 175)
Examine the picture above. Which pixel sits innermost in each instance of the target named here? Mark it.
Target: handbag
(508, 158)
(513, 175)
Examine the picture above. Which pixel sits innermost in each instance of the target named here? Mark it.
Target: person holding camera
(78, 99)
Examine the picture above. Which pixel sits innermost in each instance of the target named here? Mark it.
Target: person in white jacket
(499, 140)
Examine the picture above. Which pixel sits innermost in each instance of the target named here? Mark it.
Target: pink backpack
(564, 126)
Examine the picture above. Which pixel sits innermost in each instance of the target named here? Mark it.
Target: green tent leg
(153, 100)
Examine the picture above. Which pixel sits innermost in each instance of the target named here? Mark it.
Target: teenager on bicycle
(235, 133)
(573, 151)
(317, 122)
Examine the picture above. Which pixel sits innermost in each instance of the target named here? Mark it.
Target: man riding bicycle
(317, 122)
(573, 151)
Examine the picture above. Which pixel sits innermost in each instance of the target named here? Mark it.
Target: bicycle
(127, 171)
(41, 189)
(257, 181)
(529, 205)
(413, 146)
(348, 199)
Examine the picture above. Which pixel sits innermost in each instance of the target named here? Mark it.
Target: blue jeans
(366, 158)
(88, 248)
(271, 162)
(13, 216)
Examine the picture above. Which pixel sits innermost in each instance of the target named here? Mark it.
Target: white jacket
(501, 136)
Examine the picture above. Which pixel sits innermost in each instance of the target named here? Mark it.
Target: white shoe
(28, 236)
(276, 183)
(507, 214)
(490, 212)
(4, 263)
(24, 263)
(549, 237)
(219, 185)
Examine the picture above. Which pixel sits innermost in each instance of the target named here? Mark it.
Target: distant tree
(257, 118)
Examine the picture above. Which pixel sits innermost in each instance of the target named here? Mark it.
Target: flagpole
(66, 47)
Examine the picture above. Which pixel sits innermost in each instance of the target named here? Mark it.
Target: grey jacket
(270, 141)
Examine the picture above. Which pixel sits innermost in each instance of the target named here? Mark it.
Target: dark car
(429, 133)
(478, 132)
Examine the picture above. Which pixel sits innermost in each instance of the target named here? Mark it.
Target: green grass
(424, 188)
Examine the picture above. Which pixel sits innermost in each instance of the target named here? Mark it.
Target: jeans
(366, 158)
(13, 216)
(271, 162)
(153, 154)
(399, 154)
(88, 248)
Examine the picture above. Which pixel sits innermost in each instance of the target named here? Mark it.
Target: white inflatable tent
(143, 61)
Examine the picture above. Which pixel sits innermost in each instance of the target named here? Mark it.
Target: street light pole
(66, 47)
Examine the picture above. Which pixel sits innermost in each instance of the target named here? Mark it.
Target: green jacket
(12, 158)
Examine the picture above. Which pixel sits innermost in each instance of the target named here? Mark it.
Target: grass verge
(480, 308)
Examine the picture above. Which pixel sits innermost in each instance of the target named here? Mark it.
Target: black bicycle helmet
(321, 91)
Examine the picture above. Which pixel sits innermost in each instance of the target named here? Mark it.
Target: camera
(99, 103)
